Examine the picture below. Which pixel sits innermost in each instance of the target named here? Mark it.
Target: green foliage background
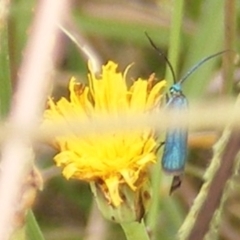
(115, 30)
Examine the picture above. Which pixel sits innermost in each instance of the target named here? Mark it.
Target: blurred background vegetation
(115, 31)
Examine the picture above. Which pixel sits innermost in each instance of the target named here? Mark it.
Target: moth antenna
(163, 55)
(196, 66)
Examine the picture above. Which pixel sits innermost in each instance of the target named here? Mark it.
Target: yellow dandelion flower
(114, 158)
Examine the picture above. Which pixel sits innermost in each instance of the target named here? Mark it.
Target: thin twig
(199, 117)
(69, 28)
(216, 188)
(230, 16)
(200, 215)
(27, 107)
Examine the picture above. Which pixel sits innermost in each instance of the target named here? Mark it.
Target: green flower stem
(230, 27)
(209, 30)
(135, 230)
(152, 215)
(32, 229)
(175, 36)
(5, 76)
(19, 234)
(157, 179)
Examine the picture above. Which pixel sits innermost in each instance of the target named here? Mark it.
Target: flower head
(116, 157)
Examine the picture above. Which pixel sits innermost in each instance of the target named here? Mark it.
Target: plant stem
(230, 16)
(5, 83)
(32, 230)
(175, 35)
(197, 222)
(135, 230)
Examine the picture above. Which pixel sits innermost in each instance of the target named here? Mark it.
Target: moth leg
(176, 183)
(159, 146)
(167, 97)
